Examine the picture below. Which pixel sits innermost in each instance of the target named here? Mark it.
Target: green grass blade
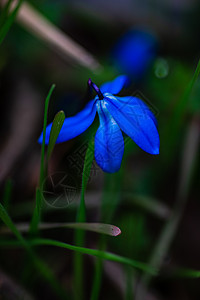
(184, 101)
(81, 217)
(4, 12)
(96, 286)
(44, 270)
(7, 221)
(42, 166)
(10, 19)
(97, 279)
(187, 273)
(55, 130)
(107, 229)
(93, 252)
(111, 191)
(172, 131)
(129, 284)
(190, 154)
(36, 213)
(38, 206)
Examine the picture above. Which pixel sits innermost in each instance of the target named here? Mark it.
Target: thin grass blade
(107, 229)
(4, 12)
(44, 270)
(93, 252)
(81, 217)
(173, 129)
(38, 206)
(9, 21)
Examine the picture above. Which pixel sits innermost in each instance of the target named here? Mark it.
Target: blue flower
(129, 114)
(134, 53)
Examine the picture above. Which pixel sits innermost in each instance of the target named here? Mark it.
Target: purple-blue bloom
(116, 114)
(134, 52)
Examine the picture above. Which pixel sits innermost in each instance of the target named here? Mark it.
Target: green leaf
(174, 127)
(44, 270)
(55, 130)
(42, 166)
(10, 19)
(4, 12)
(97, 253)
(81, 217)
(95, 227)
(38, 207)
(182, 272)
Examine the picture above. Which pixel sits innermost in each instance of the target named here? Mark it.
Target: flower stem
(81, 217)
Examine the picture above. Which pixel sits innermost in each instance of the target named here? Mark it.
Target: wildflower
(134, 53)
(129, 114)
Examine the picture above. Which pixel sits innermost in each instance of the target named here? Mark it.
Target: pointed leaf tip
(115, 230)
(55, 130)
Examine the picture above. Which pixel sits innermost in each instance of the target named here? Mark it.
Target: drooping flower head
(134, 52)
(116, 114)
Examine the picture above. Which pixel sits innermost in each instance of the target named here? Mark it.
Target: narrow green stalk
(81, 217)
(36, 213)
(4, 13)
(42, 165)
(93, 252)
(9, 21)
(40, 266)
(111, 191)
(129, 284)
(173, 129)
(38, 207)
(170, 228)
(97, 279)
(185, 273)
(98, 272)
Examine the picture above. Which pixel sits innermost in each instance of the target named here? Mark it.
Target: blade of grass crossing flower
(93, 252)
(44, 270)
(55, 130)
(81, 217)
(10, 19)
(38, 207)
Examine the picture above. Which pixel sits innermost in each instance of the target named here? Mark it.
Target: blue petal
(73, 126)
(115, 86)
(109, 143)
(136, 120)
(142, 108)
